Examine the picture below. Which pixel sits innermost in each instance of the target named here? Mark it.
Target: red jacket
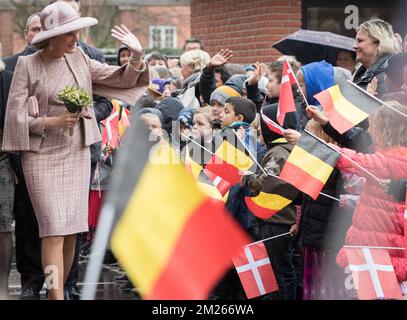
(378, 219)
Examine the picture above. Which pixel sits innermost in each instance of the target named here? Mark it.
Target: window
(162, 37)
(330, 15)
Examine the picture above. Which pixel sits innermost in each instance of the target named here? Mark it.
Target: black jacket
(316, 214)
(92, 52)
(364, 76)
(5, 83)
(207, 84)
(355, 138)
(11, 61)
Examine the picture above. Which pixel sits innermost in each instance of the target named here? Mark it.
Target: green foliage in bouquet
(75, 99)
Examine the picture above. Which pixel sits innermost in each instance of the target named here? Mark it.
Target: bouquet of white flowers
(76, 101)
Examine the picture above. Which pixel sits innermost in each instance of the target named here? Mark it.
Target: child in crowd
(378, 218)
(280, 250)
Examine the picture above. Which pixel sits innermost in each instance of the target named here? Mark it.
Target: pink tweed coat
(57, 165)
(22, 132)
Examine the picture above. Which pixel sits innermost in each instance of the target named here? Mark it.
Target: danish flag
(115, 125)
(221, 184)
(373, 274)
(274, 127)
(255, 272)
(286, 101)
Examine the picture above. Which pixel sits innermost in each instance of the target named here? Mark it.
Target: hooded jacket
(121, 48)
(170, 108)
(318, 76)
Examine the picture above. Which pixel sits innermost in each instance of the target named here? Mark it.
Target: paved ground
(107, 289)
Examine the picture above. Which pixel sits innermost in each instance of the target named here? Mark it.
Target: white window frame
(162, 29)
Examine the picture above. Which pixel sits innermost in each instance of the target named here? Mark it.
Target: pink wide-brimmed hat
(60, 18)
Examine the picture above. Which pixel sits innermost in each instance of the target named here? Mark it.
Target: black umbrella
(309, 46)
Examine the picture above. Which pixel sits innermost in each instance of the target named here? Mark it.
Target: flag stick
(328, 196)
(100, 243)
(346, 157)
(373, 247)
(377, 99)
(277, 177)
(199, 145)
(271, 238)
(255, 160)
(296, 81)
(274, 123)
(250, 153)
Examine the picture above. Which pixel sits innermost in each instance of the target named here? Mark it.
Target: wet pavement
(107, 289)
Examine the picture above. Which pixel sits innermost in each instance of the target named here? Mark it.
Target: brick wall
(136, 18)
(249, 28)
(142, 17)
(6, 34)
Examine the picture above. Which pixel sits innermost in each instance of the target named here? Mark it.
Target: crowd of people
(54, 172)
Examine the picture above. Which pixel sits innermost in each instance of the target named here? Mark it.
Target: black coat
(92, 52)
(364, 76)
(5, 83)
(11, 61)
(317, 215)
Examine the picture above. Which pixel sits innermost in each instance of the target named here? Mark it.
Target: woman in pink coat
(378, 219)
(54, 143)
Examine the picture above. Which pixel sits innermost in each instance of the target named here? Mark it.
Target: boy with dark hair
(238, 112)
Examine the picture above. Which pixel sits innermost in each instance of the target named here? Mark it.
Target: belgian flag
(173, 241)
(229, 162)
(274, 196)
(346, 105)
(309, 165)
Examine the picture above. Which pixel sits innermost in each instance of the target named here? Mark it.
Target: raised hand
(128, 39)
(372, 87)
(317, 115)
(256, 75)
(219, 59)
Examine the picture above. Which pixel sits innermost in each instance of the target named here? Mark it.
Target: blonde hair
(315, 128)
(381, 32)
(291, 59)
(195, 59)
(153, 74)
(206, 112)
(388, 129)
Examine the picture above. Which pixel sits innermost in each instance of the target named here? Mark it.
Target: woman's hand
(317, 115)
(292, 136)
(65, 120)
(372, 87)
(219, 59)
(128, 39)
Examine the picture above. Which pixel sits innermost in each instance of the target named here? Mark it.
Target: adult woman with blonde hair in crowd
(55, 160)
(374, 44)
(7, 187)
(192, 63)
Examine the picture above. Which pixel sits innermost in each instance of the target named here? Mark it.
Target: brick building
(159, 24)
(250, 28)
